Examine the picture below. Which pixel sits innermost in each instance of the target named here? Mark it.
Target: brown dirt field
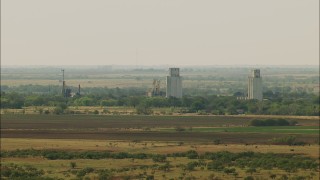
(226, 137)
(10, 121)
(119, 127)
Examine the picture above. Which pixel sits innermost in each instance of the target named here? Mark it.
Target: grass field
(151, 135)
(141, 168)
(161, 147)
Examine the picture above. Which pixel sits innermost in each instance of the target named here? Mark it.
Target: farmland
(277, 129)
(102, 135)
(38, 137)
(151, 128)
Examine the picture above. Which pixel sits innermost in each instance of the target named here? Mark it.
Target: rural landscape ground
(100, 135)
(183, 142)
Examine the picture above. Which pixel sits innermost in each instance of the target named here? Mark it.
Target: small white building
(255, 85)
(174, 83)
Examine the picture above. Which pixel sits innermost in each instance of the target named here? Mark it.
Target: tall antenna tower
(63, 83)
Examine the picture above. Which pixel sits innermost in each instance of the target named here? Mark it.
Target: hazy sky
(159, 32)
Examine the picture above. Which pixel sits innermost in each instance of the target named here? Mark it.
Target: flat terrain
(153, 135)
(148, 128)
(266, 129)
(160, 147)
(13, 121)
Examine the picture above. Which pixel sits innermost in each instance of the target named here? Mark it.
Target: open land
(71, 146)
(151, 135)
(151, 128)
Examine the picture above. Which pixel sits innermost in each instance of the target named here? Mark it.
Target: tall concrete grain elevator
(174, 83)
(255, 85)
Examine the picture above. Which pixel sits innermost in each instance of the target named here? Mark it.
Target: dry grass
(149, 147)
(67, 126)
(61, 168)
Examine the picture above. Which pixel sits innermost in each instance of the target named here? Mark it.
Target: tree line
(274, 104)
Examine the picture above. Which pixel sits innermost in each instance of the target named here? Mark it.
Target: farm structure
(155, 90)
(174, 83)
(255, 85)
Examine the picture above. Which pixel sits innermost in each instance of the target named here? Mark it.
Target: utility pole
(63, 83)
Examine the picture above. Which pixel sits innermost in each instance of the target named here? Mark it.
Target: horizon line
(132, 65)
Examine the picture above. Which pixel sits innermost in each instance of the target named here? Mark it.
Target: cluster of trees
(273, 122)
(292, 104)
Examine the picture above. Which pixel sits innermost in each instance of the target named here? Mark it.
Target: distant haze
(159, 32)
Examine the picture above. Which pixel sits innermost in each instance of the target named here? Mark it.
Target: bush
(150, 177)
(191, 166)
(273, 176)
(179, 129)
(272, 122)
(229, 170)
(73, 165)
(143, 108)
(249, 178)
(159, 158)
(84, 171)
(58, 110)
(192, 154)
(95, 112)
(104, 175)
(284, 177)
(215, 166)
(166, 167)
(251, 170)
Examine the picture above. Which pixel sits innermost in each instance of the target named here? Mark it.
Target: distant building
(155, 91)
(255, 85)
(174, 83)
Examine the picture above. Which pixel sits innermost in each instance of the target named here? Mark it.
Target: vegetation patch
(263, 129)
(273, 122)
(14, 171)
(190, 162)
(225, 158)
